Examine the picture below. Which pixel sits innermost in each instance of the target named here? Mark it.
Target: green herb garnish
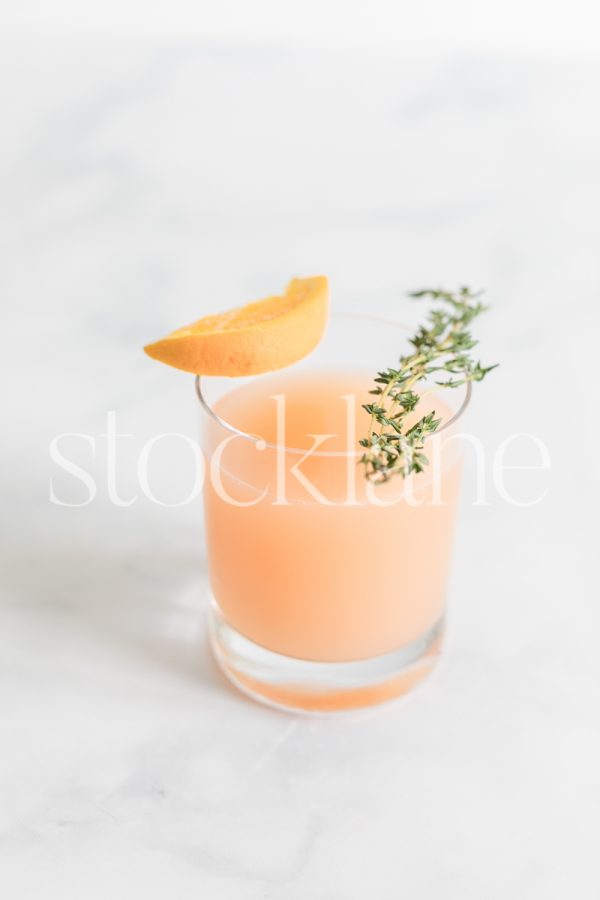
(443, 345)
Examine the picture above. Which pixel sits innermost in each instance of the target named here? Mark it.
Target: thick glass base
(316, 687)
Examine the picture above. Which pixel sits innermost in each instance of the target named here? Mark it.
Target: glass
(328, 592)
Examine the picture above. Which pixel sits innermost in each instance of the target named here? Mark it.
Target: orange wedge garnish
(262, 336)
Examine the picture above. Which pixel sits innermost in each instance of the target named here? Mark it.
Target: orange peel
(260, 337)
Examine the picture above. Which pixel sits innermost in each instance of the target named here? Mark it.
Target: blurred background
(162, 161)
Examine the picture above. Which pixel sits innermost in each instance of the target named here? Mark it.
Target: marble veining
(144, 185)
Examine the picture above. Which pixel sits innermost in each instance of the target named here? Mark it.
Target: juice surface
(307, 558)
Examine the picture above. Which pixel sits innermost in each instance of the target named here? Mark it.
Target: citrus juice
(307, 558)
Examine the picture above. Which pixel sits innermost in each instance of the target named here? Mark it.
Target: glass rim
(377, 320)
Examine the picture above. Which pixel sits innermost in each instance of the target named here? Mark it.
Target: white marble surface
(143, 185)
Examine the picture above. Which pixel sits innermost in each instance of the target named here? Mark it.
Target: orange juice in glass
(328, 590)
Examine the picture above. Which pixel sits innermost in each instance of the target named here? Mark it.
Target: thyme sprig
(443, 345)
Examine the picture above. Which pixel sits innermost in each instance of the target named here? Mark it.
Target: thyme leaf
(441, 345)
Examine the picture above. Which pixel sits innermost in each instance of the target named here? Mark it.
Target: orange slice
(259, 337)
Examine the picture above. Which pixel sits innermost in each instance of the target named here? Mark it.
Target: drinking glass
(328, 591)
